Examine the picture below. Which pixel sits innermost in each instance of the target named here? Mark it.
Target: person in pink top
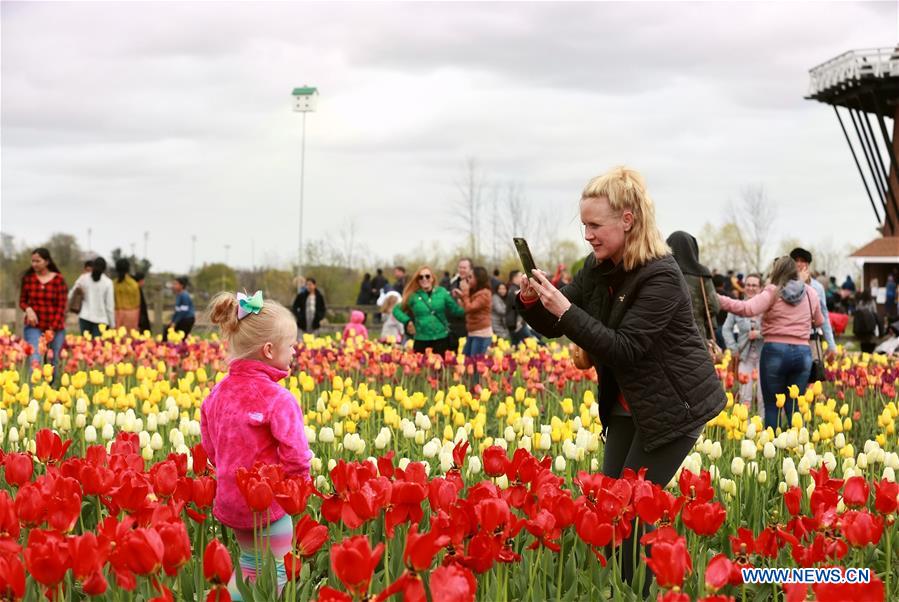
(249, 417)
(789, 309)
(356, 326)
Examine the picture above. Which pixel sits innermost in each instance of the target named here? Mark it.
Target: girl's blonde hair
(625, 190)
(245, 337)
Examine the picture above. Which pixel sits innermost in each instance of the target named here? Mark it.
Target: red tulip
(201, 460)
(459, 452)
(164, 477)
(88, 554)
(496, 462)
(703, 519)
(177, 546)
(772, 539)
(861, 528)
(309, 536)
(47, 557)
(95, 584)
(452, 583)
(217, 565)
(329, 594)
(258, 495)
(673, 596)
(721, 571)
(96, 480)
(203, 491)
(12, 577)
(353, 562)
(19, 468)
(670, 562)
(131, 493)
(63, 504)
(793, 499)
(885, 496)
(421, 548)
(855, 492)
(49, 447)
(144, 551)
(293, 493)
(696, 487)
(9, 519)
(592, 530)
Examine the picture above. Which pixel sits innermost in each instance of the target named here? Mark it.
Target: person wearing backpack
(864, 322)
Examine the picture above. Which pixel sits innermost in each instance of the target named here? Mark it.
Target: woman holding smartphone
(630, 310)
(423, 312)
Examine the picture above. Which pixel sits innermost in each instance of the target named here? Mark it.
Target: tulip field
(433, 479)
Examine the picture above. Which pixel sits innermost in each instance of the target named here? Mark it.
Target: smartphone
(527, 260)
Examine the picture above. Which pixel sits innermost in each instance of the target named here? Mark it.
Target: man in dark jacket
(309, 307)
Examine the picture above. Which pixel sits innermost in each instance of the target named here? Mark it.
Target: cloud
(176, 117)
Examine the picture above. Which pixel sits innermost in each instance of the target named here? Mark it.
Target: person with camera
(629, 309)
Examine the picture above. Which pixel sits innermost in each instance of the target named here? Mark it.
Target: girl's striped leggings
(277, 538)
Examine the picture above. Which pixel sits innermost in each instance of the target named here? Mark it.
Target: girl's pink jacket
(248, 418)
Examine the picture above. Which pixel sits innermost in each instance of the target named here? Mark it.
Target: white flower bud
(326, 435)
(736, 466)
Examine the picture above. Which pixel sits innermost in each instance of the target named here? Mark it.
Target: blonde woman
(630, 310)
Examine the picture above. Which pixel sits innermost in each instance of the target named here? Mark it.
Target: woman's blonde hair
(625, 190)
(273, 323)
(413, 286)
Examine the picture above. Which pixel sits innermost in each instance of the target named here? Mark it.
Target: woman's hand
(30, 317)
(410, 328)
(552, 298)
(528, 293)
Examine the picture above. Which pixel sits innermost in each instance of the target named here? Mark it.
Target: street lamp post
(305, 101)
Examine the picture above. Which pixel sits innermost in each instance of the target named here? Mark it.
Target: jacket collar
(255, 368)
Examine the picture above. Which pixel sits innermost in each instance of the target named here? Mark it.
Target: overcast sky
(176, 118)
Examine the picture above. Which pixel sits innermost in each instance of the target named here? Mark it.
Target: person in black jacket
(629, 309)
(309, 307)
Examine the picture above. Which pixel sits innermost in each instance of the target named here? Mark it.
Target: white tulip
(431, 448)
(594, 464)
(143, 438)
(81, 405)
(156, 442)
(502, 481)
(193, 428)
(326, 435)
(750, 431)
(403, 463)
(427, 466)
(90, 433)
(848, 473)
(769, 451)
(736, 466)
(383, 438)
(560, 464)
(331, 464)
(803, 437)
(108, 432)
(162, 418)
(14, 435)
(804, 465)
(830, 461)
(839, 441)
(889, 474)
(501, 443)
(146, 453)
(781, 488)
(747, 449)
(79, 421)
(527, 426)
(446, 462)
(791, 477)
(892, 460)
(474, 465)
(716, 451)
(422, 421)
(762, 476)
(525, 443)
(419, 437)
(322, 484)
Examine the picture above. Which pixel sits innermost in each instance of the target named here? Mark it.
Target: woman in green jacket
(424, 310)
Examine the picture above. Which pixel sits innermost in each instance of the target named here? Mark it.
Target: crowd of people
(435, 314)
(98, 301)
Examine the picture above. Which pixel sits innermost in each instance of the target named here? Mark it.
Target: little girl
(248, 418)
(356, 326)
(391, 327)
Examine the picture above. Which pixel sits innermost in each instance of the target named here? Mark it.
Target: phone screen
(527, 260)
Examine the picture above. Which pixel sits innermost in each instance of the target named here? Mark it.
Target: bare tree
(754, 215)
(348, 241)
(468, 207)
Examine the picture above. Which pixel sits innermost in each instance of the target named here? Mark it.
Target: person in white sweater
(98, 306)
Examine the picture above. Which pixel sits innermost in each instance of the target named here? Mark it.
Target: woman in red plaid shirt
(43, 298)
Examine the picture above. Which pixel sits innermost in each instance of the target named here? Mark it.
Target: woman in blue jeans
(790, 310)
(43, 298)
